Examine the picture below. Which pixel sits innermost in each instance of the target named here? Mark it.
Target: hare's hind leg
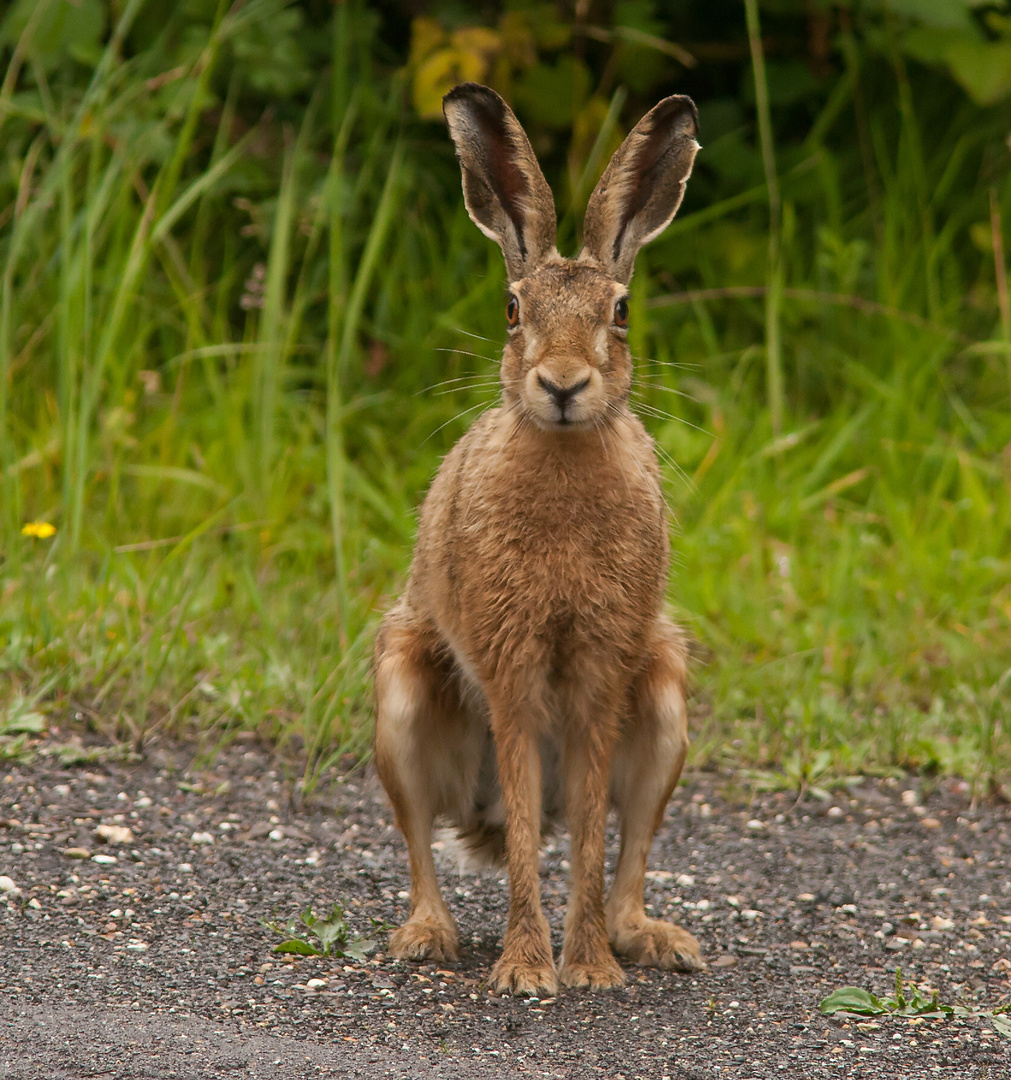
(427, 756)
(647, 765)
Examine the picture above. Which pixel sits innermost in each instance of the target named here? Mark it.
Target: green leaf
(359, 948)
(949, 14)
(301, 948)
(1001, 1024)
(983, 69)
(330, 932)
(63, 30)
(28, 723)
(853, 999)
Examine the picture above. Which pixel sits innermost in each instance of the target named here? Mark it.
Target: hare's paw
(425, 939)
(654, 943)
(522, 977)
(602, 973)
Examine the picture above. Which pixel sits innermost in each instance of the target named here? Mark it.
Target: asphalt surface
(147, 955)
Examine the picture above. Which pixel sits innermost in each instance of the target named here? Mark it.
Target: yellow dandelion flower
(42, 529)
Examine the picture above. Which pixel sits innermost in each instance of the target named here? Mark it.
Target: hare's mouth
(559, 402)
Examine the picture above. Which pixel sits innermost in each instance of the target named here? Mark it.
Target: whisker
(492, 385)
(482, 405)
(466, 352)
(667, 389)
(665, 456)
(681, 364)
(470, 333)
(642, 473)
(477, 380)
(652, 410)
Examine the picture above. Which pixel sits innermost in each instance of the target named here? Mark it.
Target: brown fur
(529, 666)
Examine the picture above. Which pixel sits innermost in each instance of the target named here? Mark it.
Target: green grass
(231, 357)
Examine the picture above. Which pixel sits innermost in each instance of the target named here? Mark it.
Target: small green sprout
(332, 933)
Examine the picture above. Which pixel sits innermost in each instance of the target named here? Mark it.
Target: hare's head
(567, 363)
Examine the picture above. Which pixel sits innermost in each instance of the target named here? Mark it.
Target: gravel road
(145, 954)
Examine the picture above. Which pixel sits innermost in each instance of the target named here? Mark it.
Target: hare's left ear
(642, 187)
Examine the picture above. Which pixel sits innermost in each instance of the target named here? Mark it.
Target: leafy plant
(20, 718)
(909, 1001)
(332, 933)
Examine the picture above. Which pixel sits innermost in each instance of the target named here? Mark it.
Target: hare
(528, 670)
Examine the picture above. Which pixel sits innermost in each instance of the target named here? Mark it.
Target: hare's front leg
(587, 959)
(427, 756)
(647, 765)
(526, 965)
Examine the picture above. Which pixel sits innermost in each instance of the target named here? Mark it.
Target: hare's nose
(562, 395)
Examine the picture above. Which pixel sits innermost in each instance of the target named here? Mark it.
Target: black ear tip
(679, 113)
(472, 93)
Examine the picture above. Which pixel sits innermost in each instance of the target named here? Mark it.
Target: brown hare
(529, 671)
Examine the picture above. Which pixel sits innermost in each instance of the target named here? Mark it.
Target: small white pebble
(8, 887)
(755, 824)
(115, 834)
(750, 914)
(202, 838)
(909, 797)
(185, 868)
(104, 860)
(686, 879)
(316, 984)
(275, 834)
(835, 811)
(143, 803)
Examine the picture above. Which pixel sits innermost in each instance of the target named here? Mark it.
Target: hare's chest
(591, 557)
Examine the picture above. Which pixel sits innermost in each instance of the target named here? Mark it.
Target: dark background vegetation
(243, 313)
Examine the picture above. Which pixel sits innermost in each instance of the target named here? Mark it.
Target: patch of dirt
(149, 958)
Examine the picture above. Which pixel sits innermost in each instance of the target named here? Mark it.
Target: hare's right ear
(642, 187)
(504, 189)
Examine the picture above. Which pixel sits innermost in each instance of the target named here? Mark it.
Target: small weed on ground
(332, 933)
(910, 1001)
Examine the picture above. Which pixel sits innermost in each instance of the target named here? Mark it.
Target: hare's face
(566, 363)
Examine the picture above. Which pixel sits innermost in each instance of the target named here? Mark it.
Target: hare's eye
(513, 312)
(621, 313)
